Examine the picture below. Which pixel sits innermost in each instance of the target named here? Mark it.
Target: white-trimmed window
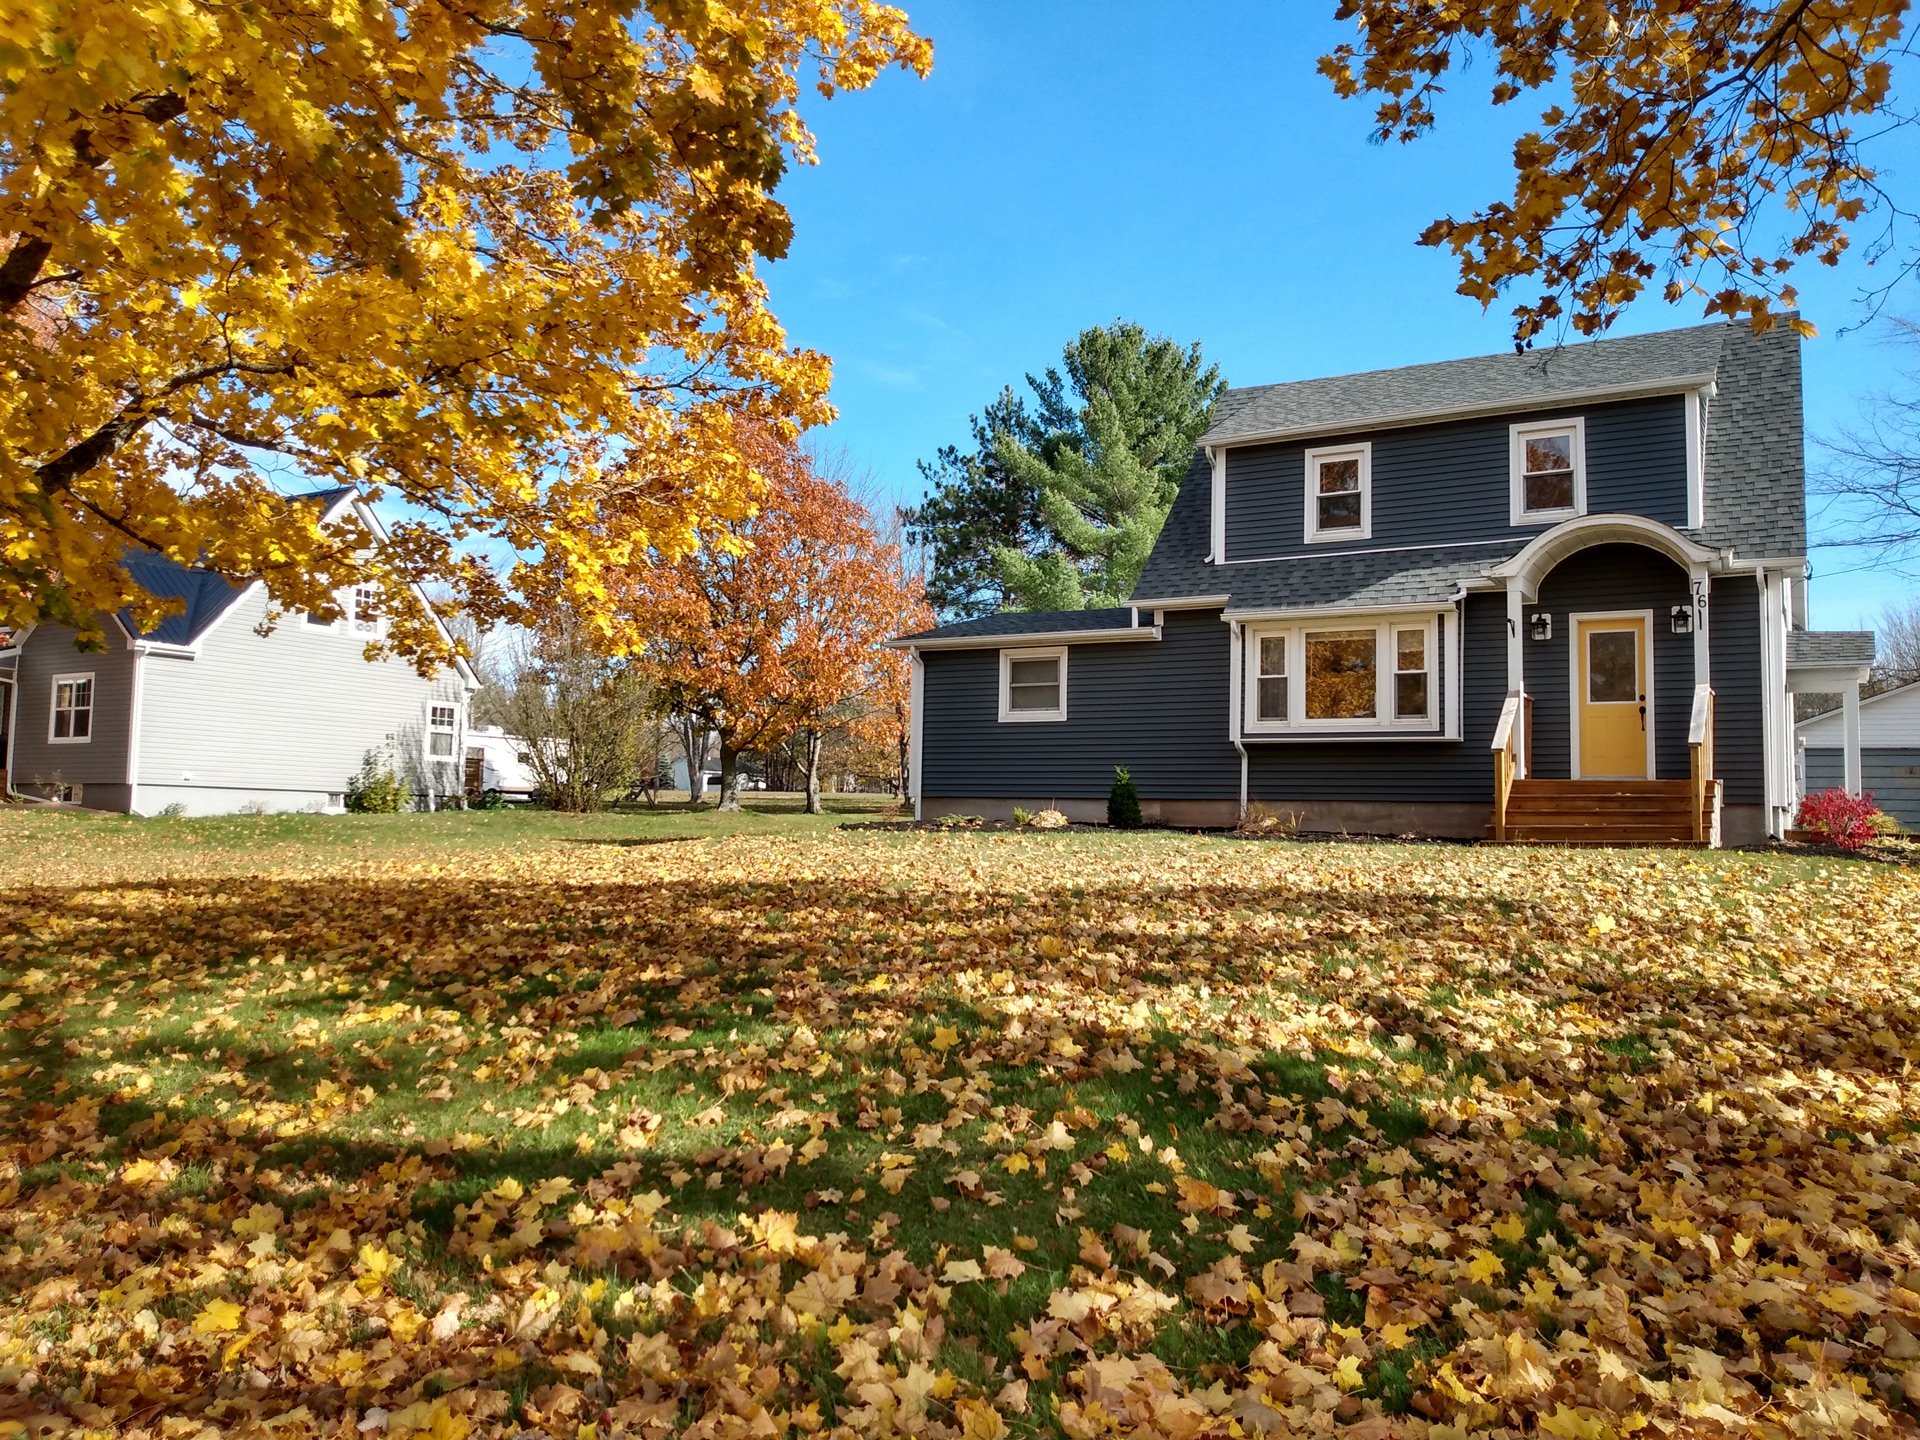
(1033, 684)
(71, 722)
(1270, 698)
(1549, 470)
(1339, 493)
(443, 727)
(363, 616)
(1342, 676)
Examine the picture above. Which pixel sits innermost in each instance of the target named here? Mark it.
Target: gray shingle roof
(1406, 577)
(1485, 382)
(1830, 647)
(1029, 622)
(1756, 454)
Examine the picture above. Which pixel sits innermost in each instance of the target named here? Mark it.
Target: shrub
(1261, 821)
(1123, 801)
(1848, 821)
(376, 790)
(172, 811)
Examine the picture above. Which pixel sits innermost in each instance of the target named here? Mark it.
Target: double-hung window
(1339, 496)
(443, 724)
(1033, 684)
(1549, 465)
(364, 615)
(72, 721)
(1351, 676)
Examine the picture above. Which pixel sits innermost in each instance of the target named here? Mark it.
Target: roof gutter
(1012, 639)
(1639, 390)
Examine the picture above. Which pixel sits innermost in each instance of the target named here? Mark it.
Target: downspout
(1233, 708)
(916, 710)
(13, 724)
(133, 734)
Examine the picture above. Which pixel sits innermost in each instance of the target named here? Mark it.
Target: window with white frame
(443, 725)
(1350, 676)
(1340, 493)
(364, 615)
(1549, 465)
(1033, 684)
(72, 719)
(1270, 679)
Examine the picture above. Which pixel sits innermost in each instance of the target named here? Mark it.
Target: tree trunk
(903, 778)
(810, 738)
(729, 774)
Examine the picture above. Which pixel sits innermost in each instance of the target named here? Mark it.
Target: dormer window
(1339, 493)
(1549, 463)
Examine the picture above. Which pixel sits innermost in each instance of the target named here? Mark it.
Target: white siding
(1890, 721)
(288, 714)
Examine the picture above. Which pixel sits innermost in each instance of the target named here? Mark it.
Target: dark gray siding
(102, 761)
(1739, 735)
(1610, 577)
(1385, 771)
(1159, 708)
(1891, 776)
(1450, 482)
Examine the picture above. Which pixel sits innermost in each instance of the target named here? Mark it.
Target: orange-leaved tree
(1704, 146)
(495, 260)
(772, 622)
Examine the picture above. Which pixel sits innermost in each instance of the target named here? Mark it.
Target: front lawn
(753, 1127)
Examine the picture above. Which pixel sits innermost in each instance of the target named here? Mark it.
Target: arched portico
(1659, 596)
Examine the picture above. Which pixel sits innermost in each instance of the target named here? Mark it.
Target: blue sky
(1069, 163)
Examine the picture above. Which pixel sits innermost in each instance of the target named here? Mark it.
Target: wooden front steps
(1607, 812)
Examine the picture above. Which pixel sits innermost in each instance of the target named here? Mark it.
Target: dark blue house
(1543, 596)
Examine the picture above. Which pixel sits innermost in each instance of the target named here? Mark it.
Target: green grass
(372, 1022)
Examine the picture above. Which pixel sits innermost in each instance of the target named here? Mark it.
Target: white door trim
(1574, 696)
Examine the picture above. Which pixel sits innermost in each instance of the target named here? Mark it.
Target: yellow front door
(1611, 697)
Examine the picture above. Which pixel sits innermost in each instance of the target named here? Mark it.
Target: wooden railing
(1512, 738)
(1700, 748)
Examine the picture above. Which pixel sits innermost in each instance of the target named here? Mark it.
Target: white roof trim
(1639, 390)
(1182, 602)
(1570, 537)
(1015, 639)
(1314, 612)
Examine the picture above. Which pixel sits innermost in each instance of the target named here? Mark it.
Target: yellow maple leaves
(1703, 147)
(1537, 1215)
(308, 243)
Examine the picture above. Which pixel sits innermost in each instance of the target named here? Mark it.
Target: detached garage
(1889, 752)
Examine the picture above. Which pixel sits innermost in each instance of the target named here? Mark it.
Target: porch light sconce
(1540, 625)
(1682, 619)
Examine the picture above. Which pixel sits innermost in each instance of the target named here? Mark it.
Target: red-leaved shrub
(1838, 818)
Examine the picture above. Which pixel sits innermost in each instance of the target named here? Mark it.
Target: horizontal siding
(1159, 708)
(294, 710)
(1893, 721)
(1449, 483)
(1610, 577)
(1739, 733)
(1389, 771)
(1891, 776)
(50, 651)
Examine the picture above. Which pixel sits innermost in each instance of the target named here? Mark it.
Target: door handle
(1643, 713)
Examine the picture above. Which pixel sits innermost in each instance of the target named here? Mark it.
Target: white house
(212, 711)
(1886, 742)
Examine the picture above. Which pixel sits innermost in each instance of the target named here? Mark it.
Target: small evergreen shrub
(376, 790)
(1849, 822)
(1123, 801)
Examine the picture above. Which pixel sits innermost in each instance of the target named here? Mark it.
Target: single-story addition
(212, 712)
(1882, 738)
(1545, 596)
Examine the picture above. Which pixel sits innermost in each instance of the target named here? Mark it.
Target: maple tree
(771, 622)
(468, 254)
(1704, 146)
(451, 1125)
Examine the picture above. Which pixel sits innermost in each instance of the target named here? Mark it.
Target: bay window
(1330, 677)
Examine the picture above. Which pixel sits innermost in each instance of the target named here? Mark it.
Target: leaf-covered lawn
(509, 1123)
